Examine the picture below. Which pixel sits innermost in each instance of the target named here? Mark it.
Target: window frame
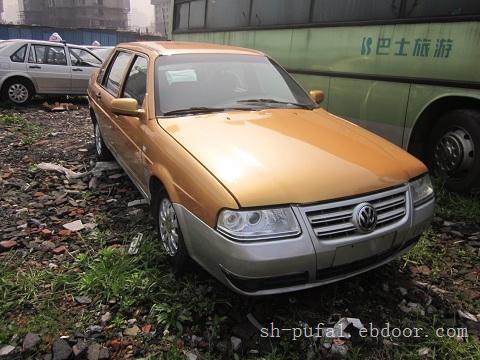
(25, 56)
(400, 19)
(109, 68)
(32, 48)
(86, 50)
(129, 69)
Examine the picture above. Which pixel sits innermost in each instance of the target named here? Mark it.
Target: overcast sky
(141, 15)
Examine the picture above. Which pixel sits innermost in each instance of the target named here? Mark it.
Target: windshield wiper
(273, 101)
(203, 110)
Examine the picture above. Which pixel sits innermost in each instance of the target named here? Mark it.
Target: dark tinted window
(136, 83)
(117, 70)
(355, 10)
(181, 16)
(277, 12)
(429, 8)
(19, 55)
(227, 13)
(50, 55)
(197, 14)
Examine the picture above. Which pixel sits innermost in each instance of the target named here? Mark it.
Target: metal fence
(74, 36)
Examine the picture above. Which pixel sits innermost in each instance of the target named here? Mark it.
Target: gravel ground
(69, 289)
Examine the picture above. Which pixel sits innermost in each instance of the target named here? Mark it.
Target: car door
(108, 90)
(49, 67)
(131, 128)
(83, 64)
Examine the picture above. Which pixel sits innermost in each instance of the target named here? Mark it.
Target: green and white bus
(408, 70)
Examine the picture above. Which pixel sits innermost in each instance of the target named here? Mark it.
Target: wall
(73, 36)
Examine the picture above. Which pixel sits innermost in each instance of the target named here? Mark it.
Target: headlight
(422, 190)
(258, 224)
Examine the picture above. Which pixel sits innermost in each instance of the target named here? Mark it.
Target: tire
(103, 154)
(454, 150)
(169, 233)
(18, 91)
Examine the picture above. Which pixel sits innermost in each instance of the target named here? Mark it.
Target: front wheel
(454, 149)
(170, 234)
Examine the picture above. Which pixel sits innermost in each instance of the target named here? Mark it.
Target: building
(162, 16)
(1, 11)
(108, 14)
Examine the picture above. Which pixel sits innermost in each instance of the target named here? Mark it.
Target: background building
(162, 16)
(1, 10)
(109, 14)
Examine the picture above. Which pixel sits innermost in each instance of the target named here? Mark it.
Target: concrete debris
(467, 315)
(30, 341)
(57, 106)
(74, 226)
(61, 169)
(137, 202)
(135, 245)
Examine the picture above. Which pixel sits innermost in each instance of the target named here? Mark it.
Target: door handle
(77, 70)
(35, 67)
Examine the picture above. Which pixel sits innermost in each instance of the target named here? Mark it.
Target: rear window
(19, 55)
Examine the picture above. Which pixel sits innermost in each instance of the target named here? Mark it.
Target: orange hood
(281, 156)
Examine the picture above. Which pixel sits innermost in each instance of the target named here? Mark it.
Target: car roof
(42, 42)
(180, 47)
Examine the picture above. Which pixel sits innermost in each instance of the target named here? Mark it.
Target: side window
(50, 55)
(117, 70)
(19, 55)
(81, 57)
(136, 83)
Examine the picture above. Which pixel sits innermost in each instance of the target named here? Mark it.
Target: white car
(31, 67)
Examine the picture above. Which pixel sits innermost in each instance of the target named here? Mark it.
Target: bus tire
(454, 149)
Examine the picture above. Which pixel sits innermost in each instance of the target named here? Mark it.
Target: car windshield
(219, 82)
(4, 44)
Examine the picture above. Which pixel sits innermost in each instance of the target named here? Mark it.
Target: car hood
(286, 156)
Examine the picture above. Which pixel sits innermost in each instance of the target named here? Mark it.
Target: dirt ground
(78, 293)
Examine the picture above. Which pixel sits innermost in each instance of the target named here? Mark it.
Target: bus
(408, 70)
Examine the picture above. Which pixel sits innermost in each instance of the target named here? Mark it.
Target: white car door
(84, 63)
(48, 65)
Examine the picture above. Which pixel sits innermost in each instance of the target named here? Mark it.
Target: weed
(456, 207)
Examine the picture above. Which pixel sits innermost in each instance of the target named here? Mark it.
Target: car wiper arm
(202, 110)
(273, 101)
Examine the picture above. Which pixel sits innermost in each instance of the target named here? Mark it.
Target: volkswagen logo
(365, 217)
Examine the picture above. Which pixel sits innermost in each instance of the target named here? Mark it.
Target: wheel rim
(169, 229)
(98, 139)
(454, 152)
(18, 93)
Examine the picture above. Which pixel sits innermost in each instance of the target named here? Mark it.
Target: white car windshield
(218, 82)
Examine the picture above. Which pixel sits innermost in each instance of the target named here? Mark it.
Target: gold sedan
(247, 175)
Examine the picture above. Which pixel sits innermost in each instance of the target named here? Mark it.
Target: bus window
(355, 10)
(279, 12)
(429, 8)
(227, 13)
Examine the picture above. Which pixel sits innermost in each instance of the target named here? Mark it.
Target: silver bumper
(270, 267)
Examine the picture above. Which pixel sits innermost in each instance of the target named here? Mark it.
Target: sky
(141, 14)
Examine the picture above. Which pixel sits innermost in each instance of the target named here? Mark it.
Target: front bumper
(270, 267)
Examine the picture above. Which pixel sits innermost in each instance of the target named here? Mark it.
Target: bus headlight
(422, 190)
(263, 224)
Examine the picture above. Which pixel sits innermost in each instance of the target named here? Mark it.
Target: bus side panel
(422, 96)
(378, 106)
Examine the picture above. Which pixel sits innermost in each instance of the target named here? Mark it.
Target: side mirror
(317, 95)
(126, 107)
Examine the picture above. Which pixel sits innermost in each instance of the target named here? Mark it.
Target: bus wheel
(454, 149)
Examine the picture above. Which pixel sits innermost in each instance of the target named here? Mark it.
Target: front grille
(332, 221)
